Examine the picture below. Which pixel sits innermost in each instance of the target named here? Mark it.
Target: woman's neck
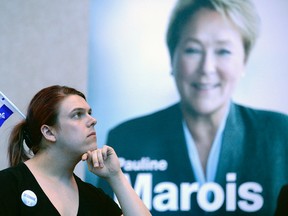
(204, 126)
(56, 167)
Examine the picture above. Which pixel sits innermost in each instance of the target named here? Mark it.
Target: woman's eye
(191, 50)
(77, 115)
(223, 52)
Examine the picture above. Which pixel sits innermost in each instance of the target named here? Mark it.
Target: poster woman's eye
(192, 51)
(223, 52)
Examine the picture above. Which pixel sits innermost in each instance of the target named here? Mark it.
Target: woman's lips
(92, 134)
(205, 86)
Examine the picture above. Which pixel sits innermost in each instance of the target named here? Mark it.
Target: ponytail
(16, 149)
(43, 109)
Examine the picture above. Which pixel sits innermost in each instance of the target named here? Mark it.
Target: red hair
(43, 109)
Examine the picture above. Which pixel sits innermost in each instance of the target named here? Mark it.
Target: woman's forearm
(129, 201)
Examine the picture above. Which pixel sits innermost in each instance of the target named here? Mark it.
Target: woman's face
(207, 63)
(75, 131)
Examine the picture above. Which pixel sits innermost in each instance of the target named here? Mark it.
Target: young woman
(59, 132)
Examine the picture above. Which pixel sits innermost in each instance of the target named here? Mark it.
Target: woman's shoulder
(282, 208)
(13, 178)
(89, 190)
(152, 119)
(284, 189)
(92, 198)
(11, 173)
(265, 115)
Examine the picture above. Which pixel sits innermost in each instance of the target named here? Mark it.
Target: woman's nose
(208, 64)
(93, 121)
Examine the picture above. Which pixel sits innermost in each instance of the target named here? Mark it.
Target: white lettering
(168, 199)
(203, 196)
(144, 164)
(165, 196)
(231, 192)
(249, 191)
(143, 187)
(186, 190)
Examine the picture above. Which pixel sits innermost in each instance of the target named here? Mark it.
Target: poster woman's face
(208, 61)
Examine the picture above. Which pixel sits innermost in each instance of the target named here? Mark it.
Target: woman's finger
(105, 152)
(100, 158)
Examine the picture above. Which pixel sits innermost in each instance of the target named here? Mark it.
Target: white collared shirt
(213, 157)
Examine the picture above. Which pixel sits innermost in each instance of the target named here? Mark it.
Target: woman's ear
(48, 133)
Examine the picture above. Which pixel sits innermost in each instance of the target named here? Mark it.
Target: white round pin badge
(29, 198)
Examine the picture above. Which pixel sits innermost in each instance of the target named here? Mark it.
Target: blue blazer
(153, 153)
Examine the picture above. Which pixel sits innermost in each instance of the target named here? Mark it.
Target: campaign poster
(130, 77)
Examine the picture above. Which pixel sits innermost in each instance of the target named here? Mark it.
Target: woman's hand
(103, 162)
